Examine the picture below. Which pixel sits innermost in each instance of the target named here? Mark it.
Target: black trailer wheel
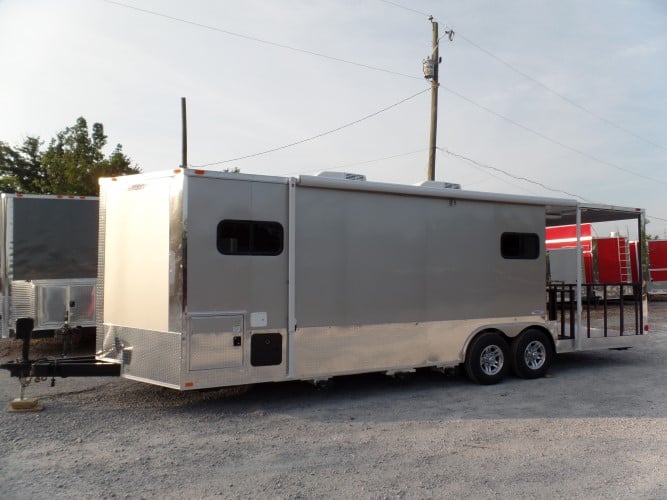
(532, 354)
(487, 359)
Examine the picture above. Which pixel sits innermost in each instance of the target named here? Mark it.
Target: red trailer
(613, 260)
(605, 260)
(561, 240)
(657, 267)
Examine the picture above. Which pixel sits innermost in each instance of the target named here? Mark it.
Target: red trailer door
(613, 260)
(657, 260)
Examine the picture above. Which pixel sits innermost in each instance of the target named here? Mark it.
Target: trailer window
(520, 245)
(250, 237)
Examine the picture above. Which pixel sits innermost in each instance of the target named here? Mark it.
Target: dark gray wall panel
(54, 238)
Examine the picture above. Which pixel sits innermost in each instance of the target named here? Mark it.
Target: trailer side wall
(370, 258)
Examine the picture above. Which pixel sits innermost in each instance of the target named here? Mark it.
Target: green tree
(71, 164)
(20, 168)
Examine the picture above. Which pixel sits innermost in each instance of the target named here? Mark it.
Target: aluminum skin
(370, 276)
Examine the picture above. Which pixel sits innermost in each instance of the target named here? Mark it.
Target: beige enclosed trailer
(212, 279)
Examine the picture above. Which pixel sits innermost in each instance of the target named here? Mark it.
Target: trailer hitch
(27, 370)
(22, 368)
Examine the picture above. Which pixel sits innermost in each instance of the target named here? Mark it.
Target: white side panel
(563, 265)
(136, 255)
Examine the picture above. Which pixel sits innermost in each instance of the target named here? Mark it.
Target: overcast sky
(571, 94)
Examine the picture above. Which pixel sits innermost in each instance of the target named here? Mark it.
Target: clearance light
(200, 172)
(189, 384)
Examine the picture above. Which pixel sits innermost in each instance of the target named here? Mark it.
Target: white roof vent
(342, 175)
(440, 185)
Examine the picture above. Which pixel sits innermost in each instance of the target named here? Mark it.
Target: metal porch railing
(611, 309)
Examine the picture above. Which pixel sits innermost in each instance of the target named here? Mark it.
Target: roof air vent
(440, 185)
(342, 175)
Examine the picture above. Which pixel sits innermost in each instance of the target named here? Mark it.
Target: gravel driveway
(595, 428)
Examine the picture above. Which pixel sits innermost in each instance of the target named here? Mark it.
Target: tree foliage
(71, 164)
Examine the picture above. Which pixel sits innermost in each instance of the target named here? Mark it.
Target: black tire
(487, 359)
(532, 354)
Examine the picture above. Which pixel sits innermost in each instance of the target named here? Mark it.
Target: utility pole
(184, 127)
(431, 65)
(434, 62)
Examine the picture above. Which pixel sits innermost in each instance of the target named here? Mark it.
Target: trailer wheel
(487, 359)
(532, 354)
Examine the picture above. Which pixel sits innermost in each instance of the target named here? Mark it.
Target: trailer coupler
(39, 370)
(83, 366)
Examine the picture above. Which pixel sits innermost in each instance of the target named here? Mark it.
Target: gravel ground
(595, 428)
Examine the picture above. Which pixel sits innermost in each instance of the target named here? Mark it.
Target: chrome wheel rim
(492, 360)
(535, 355)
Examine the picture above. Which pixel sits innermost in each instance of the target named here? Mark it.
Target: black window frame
(253, 227)
(526, 246)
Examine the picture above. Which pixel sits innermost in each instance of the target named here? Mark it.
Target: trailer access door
(237, 273)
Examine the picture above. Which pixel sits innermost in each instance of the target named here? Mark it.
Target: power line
(405, 8)
(478, 164)
(541, 84)
(266, 42)
(375, 68)
(561, 96)
(339, 167)
(482, 165)
(554, 141)
(318, 135)
(500, 179)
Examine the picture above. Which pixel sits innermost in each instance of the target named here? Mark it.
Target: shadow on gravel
(598, 384)
(580, 385)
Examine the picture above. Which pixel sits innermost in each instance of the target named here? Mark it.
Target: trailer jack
(40, 370)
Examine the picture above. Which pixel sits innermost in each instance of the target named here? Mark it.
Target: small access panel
(266, 349)
(216, 342)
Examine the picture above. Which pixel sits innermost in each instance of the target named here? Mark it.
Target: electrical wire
(482, 165)
(348, 165)
(536, 81)
(406, 8)
(561, 96)
(375, 68)
(318, 135)
(266, 42)
(553, 141)
(520, 178)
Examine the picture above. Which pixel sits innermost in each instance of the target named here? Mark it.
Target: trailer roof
(590, 213)
(48, 196)
(559, 211)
